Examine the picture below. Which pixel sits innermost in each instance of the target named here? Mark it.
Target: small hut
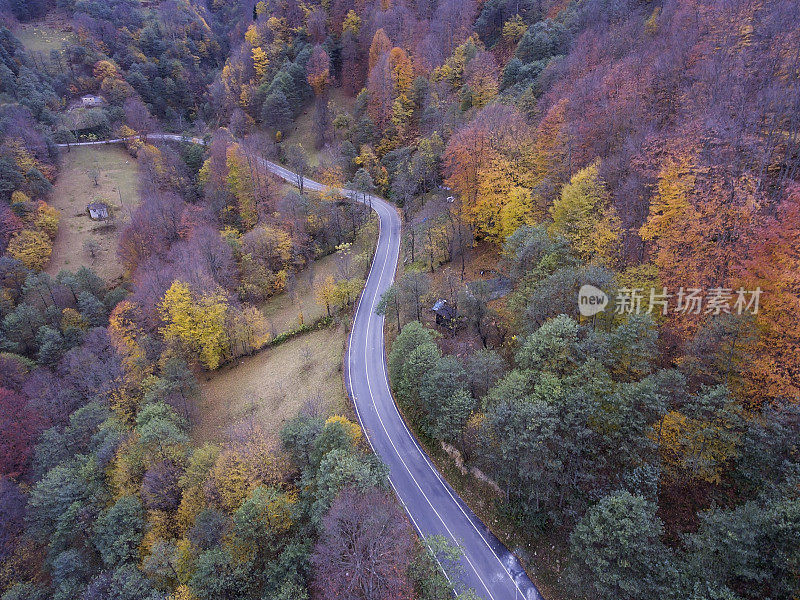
(98, 211)
(445, 314)
(90, 101)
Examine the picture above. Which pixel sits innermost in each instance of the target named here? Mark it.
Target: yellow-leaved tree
(513, 30)
(46, 219)
(351, 23)
(240, 181)
(501, 206)
(516, 211)
(132, 141)
(252, 36)
(196, 322)
(353, 430)
(248, 330)
(260, 62)
(674, 224)
(327, 294)
(182, 592)
(263, 518)
(698, 447)
(193, 499)
(583, 215)
(32, 248)
(671, 201)
(126, 335)
(72, 319)
(19, 197)
(229, 482)
(489, 164)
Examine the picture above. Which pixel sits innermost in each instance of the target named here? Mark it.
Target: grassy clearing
(302, 130)
(42, 37)
(283, 311)
(74, 189)
(274, 385)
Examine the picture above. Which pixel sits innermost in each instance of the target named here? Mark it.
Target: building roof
(443, 309)
(98, 210)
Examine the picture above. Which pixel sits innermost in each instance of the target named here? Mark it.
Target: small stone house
(90, 101)
(98, 211)
(445, 314)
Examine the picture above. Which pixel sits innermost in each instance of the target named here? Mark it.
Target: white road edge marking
(383, 425)
(366, 431)
(421, 452)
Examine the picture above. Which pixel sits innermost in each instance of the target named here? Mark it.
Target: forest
(649, 149)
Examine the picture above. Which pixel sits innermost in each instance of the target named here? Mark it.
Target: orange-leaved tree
(488, 163)
(773, 371)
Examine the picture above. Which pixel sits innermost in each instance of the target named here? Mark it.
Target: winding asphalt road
(432, 505)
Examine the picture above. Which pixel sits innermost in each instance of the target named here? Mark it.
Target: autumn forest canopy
(649, 149)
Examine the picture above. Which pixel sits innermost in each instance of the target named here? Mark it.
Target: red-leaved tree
(364, 550)
(19, 428)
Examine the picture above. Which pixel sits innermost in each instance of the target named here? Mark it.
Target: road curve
(432, 505)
